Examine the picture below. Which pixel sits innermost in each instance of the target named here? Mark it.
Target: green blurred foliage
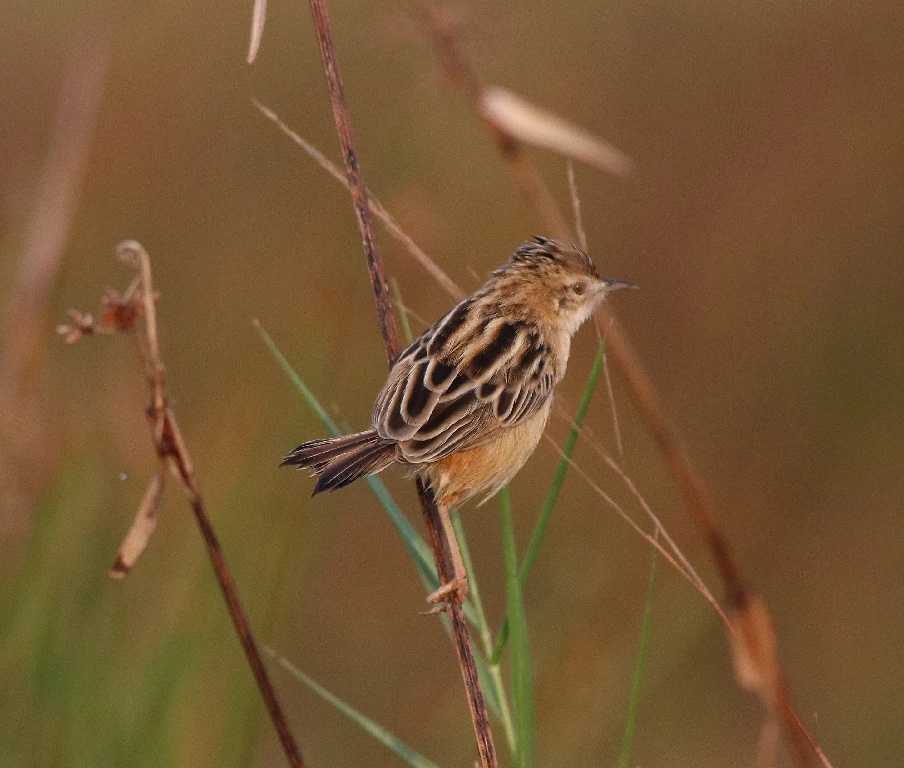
(764, 225)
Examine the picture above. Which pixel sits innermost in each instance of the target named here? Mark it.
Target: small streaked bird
(466, 404)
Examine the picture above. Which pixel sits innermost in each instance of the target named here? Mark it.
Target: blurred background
(762, 221)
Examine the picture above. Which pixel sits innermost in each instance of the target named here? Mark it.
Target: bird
(465, 405)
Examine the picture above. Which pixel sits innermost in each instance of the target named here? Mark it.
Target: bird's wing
(461, 382)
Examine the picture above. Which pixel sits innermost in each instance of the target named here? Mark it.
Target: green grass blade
(522, 682)
(631, 717)
(417, 548)
(553, 495)
(306, 393)
(387, 739)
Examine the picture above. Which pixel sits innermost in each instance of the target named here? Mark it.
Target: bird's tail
(338, 461)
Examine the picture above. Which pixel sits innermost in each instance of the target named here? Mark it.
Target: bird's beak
(610, 284)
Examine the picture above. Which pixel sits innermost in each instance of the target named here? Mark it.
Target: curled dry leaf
(119, 313)
(139, 534)
(526, 122)
(753, 648)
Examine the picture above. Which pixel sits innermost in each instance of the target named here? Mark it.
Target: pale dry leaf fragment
(753, 649)
(526, 122)
(139, 534)
(257, 29)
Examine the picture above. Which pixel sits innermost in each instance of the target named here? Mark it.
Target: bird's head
(556, 280)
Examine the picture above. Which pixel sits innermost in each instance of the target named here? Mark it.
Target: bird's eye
(578, 289)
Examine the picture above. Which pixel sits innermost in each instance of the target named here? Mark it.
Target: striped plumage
(467, 402)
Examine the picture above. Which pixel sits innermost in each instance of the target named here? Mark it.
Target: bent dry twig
(438, 542)
(121, 313)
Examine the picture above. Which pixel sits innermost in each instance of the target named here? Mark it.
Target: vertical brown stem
(356, 186)
(438, 543)
(446, 569)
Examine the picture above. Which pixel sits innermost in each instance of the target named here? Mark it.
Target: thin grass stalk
(356, 187)
(388, 331)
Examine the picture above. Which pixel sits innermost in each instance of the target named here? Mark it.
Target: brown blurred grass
(762, 223)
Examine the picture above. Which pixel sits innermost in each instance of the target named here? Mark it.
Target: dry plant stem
(443, 556)
(792, 714)
(236, 611)
(356, 186)
(173, 454)
(612, 409)
(438, 541)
